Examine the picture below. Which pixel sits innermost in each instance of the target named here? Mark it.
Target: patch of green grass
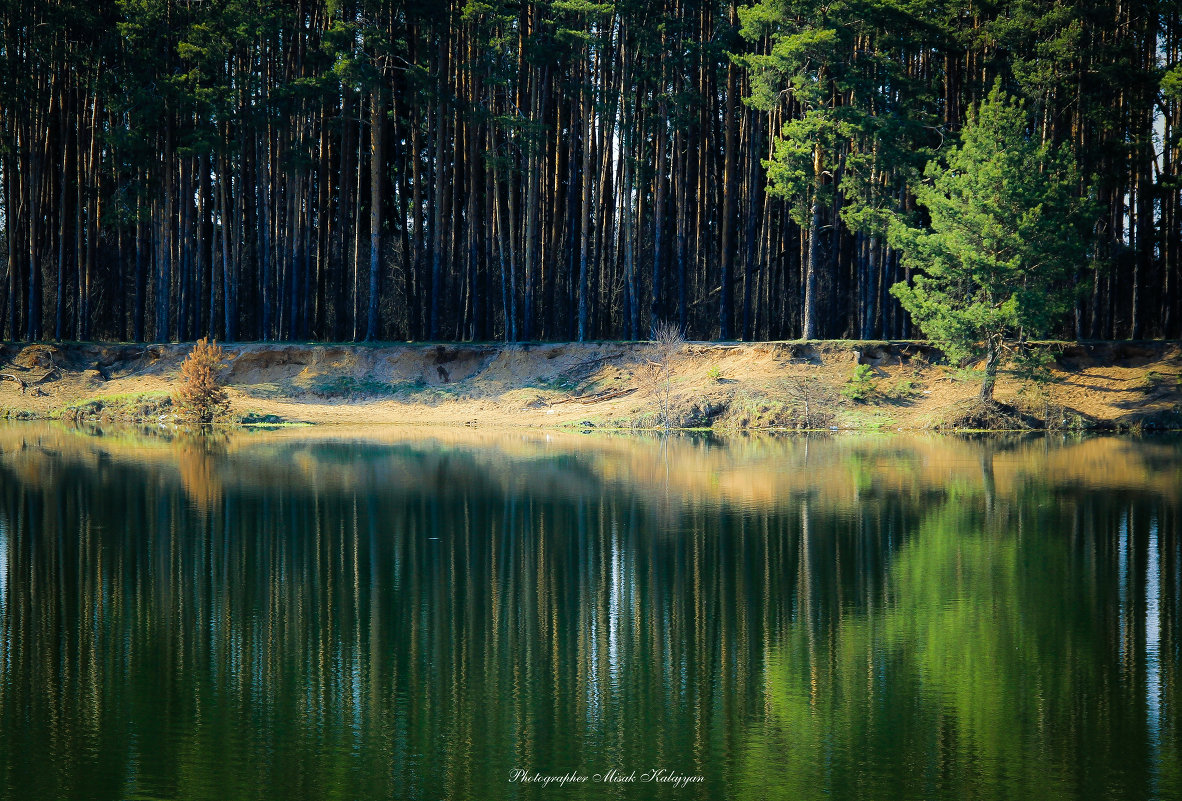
(961, 375)
(127, 406)
(125, 398)
(559, 383)
(253, 418)
(409, 387)
(346, 386)
(866, 420)
(273, 426)
(268, 390)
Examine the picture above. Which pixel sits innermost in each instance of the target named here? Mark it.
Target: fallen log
(598, 397)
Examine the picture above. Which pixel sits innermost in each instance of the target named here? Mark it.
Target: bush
(861, 385)
(904, 390)
(201, 398)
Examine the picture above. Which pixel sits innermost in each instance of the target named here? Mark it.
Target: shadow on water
(417, 614)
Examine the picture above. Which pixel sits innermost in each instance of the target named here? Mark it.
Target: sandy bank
(598, 385)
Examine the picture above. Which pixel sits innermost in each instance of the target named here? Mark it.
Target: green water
(431, 616)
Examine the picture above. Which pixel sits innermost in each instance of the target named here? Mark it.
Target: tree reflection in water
(315, 617)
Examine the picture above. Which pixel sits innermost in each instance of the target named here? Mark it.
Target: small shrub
(201, 398)
(347, 385)
(714, 373)
(861, 385)
(1034, 366)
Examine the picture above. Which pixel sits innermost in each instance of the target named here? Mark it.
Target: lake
(405, 614)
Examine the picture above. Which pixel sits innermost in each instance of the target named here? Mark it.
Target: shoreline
(630, 386)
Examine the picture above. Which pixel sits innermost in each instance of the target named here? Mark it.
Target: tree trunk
(812, 271)
(658, 220)
(992, 362)
(375, 211)
(730, 194)
(585, 216)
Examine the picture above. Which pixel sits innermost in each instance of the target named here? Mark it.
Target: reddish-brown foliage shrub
(201, 398)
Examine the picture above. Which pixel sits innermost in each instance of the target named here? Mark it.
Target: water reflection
(321, 616)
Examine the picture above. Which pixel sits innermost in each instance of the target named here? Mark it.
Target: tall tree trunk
(730, 193)
(344, 218)
(585, 211)
(658, 218)
(229, 279)
(437, 216)
(812, 272)
(33, 309)
(376, 126)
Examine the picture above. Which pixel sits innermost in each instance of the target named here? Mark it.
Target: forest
(342, 170)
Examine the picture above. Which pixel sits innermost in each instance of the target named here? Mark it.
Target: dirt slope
(611, 384)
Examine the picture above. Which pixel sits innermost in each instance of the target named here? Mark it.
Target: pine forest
(337, 170)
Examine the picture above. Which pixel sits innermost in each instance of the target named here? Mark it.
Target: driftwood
(598, 397)
(32, 383)
(16, 379)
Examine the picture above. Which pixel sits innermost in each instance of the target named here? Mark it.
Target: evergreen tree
(1007, 232)
(201, 398)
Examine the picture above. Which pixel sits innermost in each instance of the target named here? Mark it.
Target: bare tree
(811, 398)
(667, 344)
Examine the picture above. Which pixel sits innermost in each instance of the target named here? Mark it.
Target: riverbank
(725, 386)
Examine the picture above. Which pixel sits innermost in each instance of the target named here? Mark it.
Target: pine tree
(1007, 232)
(202, 399)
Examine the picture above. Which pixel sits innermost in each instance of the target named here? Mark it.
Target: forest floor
(904, 385)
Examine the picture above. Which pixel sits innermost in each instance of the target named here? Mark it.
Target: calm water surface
(418, 616)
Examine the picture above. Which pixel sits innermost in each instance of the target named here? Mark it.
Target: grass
(268, 390)
(138, 406)
(558, 383)
(903, 390)
(341, 386)
(866, 420)
(757, 410)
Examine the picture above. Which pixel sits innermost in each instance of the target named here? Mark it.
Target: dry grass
(673, 382)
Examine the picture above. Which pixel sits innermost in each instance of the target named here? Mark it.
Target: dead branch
(15, 379)
(52, 372)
